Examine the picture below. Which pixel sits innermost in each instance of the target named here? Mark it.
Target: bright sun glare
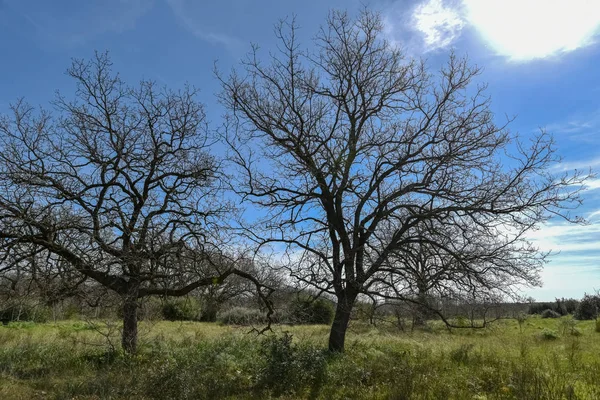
(527, 29)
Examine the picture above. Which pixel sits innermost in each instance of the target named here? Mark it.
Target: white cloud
(579, 165)
(185, 15)
(593, 215)
(579, 127)
(440, 24)
(573, 268)
(519, 30)
(528, 29)
(592, 184)
(562, 278)
(567, 238)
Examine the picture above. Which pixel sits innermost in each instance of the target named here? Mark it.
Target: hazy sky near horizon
(540, 59)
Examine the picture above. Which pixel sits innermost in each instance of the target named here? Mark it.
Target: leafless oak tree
(119, 184)
(349, 147)
(458, 260)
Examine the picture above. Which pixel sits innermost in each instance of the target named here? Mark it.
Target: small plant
(549, 334)
(461, 354)
(568, 326)
(598, 325)
(521, 319)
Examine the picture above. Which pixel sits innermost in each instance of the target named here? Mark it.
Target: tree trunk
(422, 312)
(337, 336)
(130, 321)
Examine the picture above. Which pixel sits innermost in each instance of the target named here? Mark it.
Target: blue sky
(540, 59)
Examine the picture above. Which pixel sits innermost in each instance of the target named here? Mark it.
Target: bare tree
(349, 147)
(118, 184)
(458, 260)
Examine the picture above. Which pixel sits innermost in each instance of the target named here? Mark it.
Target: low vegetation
(535, 359)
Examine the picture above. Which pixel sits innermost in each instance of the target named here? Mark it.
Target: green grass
(188, 360)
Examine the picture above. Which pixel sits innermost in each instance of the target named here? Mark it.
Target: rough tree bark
(129, 339)
(341, 319)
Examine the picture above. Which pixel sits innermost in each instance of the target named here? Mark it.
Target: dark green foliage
(23, 312)
(550, 314)
(289, 367)
(567, 306)
(310, 310)
(181, 310)
(589, 307)
(561, 306)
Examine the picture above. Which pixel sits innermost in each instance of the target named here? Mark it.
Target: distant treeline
(586, 308)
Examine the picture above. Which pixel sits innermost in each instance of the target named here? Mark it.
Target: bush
(242, 316)
(24, 312)
(308, 310)
(538, 308)
(288, 366)
(589, 307)
(548, 334)
(568, 326)
(181, 310)
(550, 314)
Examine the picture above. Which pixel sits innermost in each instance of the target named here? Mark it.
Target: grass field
(539, 359)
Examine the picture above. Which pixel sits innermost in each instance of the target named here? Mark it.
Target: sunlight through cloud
(529, 29)
(520, 30)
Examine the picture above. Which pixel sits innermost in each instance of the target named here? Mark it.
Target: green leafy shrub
(568, 326)
(242, 316)
(181, 310)
(589, 307)
(288, 366)
(550, 314)
(549, 334)
(308, 310)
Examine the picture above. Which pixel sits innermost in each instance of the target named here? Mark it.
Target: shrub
(538, 308)
(550, 314)
(548, 334)
(288, 366)
(181, 310)
(588, 308)
(24, 312)
(598, 325)
(308, 310)
(568, 326)
(242, 316)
